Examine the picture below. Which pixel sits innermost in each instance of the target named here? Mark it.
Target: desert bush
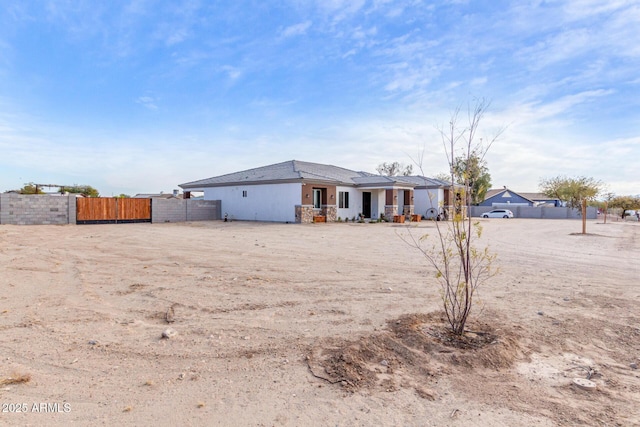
(461, 267)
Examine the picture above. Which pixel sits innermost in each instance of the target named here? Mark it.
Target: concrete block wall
(539, 213)
(204, 210)
(37, 209)
(180, 210)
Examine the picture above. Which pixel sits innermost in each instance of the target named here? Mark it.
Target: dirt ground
(314, 325)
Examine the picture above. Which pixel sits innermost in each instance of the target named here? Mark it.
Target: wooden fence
(105, 210)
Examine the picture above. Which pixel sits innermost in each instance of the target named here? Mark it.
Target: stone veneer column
(390, 211)
(331, 213)
(304, 214)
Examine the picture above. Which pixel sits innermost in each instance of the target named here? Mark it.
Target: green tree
(571, 190)
(394, 169)
(85, 190)
(473, 170)
(30, 188)
(625, 203)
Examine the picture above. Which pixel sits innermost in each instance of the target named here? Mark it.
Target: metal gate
(112, 210)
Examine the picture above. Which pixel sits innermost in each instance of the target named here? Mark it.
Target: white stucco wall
(424, 200)
(378, 200)
(268, 202)
(355, 202)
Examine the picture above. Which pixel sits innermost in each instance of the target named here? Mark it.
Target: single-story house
(161, 195)
(297, 191)
(542, 200)
(504, 197)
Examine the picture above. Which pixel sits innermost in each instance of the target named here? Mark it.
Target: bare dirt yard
(314, 325)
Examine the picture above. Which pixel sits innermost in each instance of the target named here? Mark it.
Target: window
(244, 193)
(343, 199)
(317, 198)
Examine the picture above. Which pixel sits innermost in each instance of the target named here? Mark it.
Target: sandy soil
(322, 324)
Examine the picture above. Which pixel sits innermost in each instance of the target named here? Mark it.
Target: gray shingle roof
(422, 181)
(533, 197)
(495, 191)
(296, 170)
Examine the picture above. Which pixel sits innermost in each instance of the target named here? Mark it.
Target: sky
(139, 96)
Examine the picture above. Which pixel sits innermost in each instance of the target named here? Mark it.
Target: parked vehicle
(498, 213)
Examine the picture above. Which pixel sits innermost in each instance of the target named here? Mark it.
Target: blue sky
(140, 96)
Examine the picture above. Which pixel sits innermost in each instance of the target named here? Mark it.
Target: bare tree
(461, 267)
(394, 169)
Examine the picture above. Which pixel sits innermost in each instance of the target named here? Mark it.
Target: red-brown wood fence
(102, 210)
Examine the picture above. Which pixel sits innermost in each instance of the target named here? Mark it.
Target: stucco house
(297, 191)
(504, 197)
(161, 195)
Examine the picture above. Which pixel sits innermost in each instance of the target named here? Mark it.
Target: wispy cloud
(177, 36)
(148, 102)
(296, 30)
(317, 80)
(233, 73)
(562, 106)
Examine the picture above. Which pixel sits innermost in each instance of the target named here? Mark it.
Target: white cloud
(340, 10)
(296, 30)
(178, 36)
(147, 102)
(233, 73)
(562, 106)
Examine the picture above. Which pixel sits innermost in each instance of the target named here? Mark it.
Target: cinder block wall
(179, 210)
(37, 209)
(203, 210)
(539, 213)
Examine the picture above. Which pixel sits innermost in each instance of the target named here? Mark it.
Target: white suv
(498, 213)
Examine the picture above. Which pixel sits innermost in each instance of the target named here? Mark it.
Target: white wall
(268, 202)
(424, 200)
(355, 202)
(378, 201)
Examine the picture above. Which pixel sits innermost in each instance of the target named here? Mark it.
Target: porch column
(391, 204)
(408, 202)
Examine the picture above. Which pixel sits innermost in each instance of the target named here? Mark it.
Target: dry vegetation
(325, 324)
(15, 379)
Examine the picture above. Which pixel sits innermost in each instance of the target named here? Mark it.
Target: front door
(317, 198)
(366, 204)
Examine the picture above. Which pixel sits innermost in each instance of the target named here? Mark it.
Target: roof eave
(237, 183)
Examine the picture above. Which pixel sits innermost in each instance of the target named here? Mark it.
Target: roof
(494, 192)
(537, 196)
(157, 196)
(299, 171)
(534, 197)
(423, 181)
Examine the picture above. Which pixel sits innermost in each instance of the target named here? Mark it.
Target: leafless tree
(461, 267)
(394, 169)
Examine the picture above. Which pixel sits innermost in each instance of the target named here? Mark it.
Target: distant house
(541, 200)
(161, 195)
(297, 191)
(505, 197)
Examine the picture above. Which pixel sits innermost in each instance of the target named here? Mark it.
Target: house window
(343, 199)
(244, 193)
(317, 198)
